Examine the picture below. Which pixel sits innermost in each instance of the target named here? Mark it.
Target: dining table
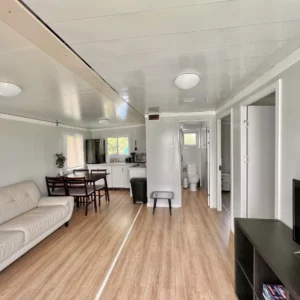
(92, 179)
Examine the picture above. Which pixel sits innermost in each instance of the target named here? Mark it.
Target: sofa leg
(67, 224)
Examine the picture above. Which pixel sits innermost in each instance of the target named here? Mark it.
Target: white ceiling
(50, 91)
(139, 47)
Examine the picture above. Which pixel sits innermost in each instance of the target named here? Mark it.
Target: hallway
(186, 256)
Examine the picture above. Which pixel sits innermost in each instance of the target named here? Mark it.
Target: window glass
(112, 146)
(74, 150)
(123, 145)
(118, 145)
(190, 139)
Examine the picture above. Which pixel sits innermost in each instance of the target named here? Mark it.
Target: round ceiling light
(103, 121)
(9, 89)
(187, 81)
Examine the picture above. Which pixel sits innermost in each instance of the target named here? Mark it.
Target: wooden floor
(226, 201)
(186, 256)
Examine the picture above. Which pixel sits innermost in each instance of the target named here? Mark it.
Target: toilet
(193, 177)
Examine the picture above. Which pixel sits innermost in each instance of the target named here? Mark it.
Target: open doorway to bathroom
(194, 150)
(225, 175)
(226, 164)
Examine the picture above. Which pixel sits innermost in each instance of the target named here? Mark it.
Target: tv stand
(265, 253)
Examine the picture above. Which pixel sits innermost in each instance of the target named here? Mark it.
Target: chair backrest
(17, 199)
(81, 171)
(54, 183)
(76, 183)
(99, 171)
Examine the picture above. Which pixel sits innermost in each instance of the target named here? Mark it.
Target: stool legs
(154, 206)
(170, 207)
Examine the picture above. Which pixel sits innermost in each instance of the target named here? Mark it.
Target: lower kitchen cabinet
(118, 179)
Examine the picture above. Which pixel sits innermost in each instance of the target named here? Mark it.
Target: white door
(118, 177)
(261, 162)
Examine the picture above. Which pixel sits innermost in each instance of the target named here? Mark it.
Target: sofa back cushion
(17, 199)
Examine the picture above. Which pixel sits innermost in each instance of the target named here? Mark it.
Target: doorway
(195, 156)
(261, 154)
(225, 164)
(260, 162)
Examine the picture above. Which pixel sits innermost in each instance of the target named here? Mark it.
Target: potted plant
(60, 162)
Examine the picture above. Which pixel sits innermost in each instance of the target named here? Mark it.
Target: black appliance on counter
(132, 154)
(128, 160)
(95, 151)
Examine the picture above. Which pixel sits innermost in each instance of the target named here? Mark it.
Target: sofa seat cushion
(37, 221)
(10, 243)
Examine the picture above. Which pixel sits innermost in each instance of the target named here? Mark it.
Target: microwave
(140, 158)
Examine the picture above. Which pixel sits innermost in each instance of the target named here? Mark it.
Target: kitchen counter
(117, 164)
(136, 166)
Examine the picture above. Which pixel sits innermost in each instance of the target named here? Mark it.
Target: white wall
(225, 146)
(290, 142)
(137, 133)
(163, 159)
(28, 151)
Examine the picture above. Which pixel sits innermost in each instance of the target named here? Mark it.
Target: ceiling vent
(153, 113)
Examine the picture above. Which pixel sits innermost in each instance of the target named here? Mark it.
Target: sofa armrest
(50, 201)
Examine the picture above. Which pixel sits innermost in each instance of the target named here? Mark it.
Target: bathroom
(194, 155)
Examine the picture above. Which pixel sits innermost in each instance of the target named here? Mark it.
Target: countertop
(130, 165)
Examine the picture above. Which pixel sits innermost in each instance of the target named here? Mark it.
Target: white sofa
(26, 218)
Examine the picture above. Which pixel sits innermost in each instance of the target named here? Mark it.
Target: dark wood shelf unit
(264, 253)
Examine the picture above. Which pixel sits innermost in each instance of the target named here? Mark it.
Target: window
(190, 139)
(118, 146)
(73, 146)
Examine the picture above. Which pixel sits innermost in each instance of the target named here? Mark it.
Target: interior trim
(265, 79)
(39, 122)
(117, 127)
(185, 114)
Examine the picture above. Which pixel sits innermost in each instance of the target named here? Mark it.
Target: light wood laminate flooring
(186, 256)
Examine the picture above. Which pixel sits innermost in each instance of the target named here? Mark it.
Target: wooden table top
(88, 176)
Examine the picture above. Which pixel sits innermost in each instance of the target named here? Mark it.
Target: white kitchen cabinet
(118, 176)
(126, 177)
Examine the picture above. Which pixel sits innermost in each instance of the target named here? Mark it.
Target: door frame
(211, 182)
(277, 88)
(228, 112)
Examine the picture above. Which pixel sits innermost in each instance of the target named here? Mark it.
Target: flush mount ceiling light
(187, 81)
(103, 121)
(9, 89)
(189, 100)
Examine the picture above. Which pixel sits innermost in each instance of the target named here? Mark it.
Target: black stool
(162, 195)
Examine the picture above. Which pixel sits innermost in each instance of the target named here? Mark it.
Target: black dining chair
(79, 189)
(56, 186)
(101, 187)
(78, 171)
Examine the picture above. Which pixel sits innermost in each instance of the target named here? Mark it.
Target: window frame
(65, 150)
(197, 132)
(117, 137)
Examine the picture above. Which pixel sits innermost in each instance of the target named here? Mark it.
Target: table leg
(154, 205)
(106, 189)
(170, 207)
